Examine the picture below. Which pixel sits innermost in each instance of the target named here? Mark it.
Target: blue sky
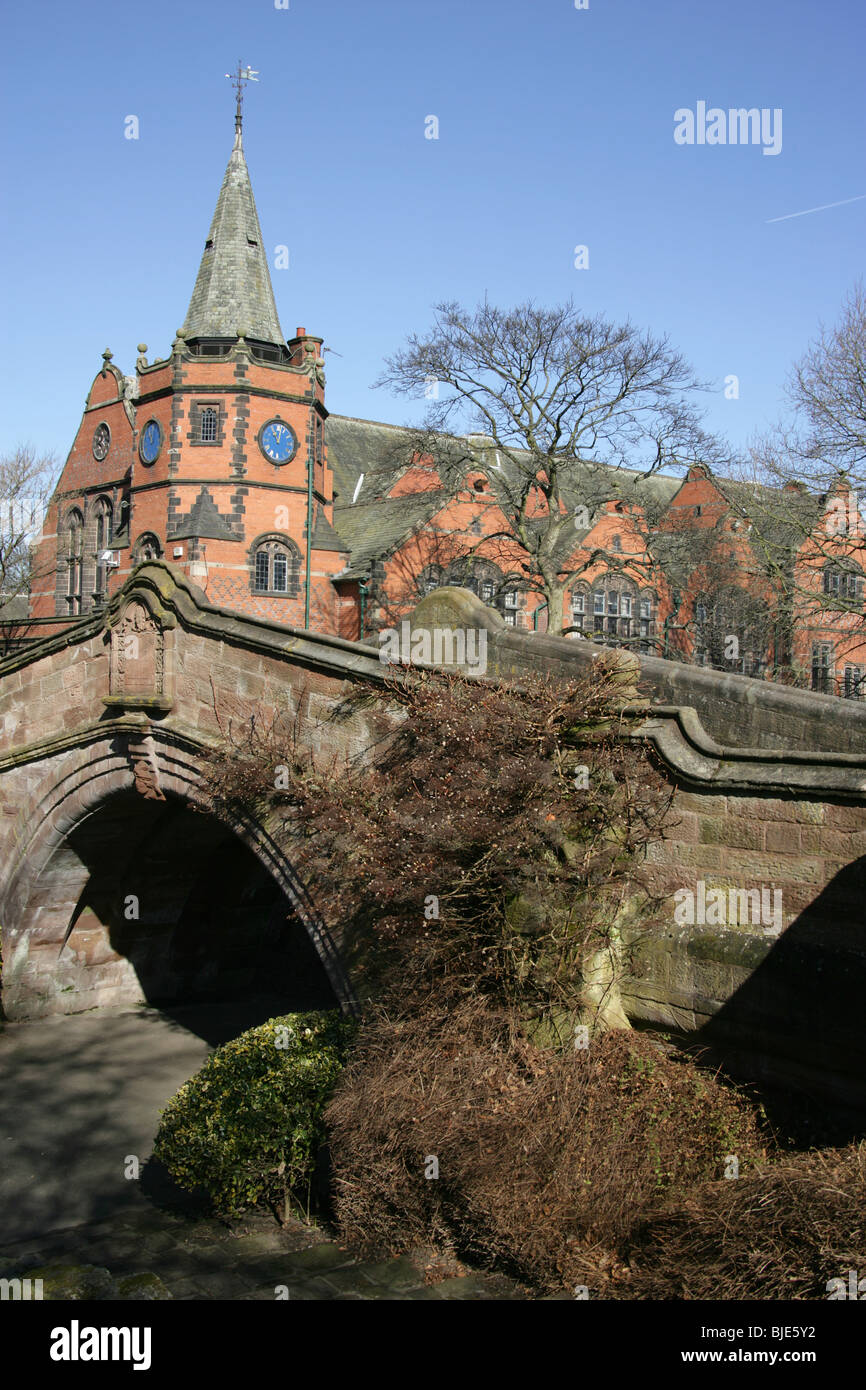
(555, 130)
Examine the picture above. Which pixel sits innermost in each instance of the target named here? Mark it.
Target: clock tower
(212, 458)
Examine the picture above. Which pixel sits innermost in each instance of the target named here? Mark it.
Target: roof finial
(238, 79)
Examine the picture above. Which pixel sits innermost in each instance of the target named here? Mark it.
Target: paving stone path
(80, 1094)
(200, 1258)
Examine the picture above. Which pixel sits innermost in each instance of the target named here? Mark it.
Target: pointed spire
(233, 292)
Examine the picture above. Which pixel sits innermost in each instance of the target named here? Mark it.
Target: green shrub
(247, 1128)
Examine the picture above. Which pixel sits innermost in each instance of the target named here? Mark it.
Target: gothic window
(74, 546)
(103, 533)
(275, 566)
(483, 578)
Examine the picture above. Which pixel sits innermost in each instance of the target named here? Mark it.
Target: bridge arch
(125, 888)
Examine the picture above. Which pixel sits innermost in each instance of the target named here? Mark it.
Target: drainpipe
(362, 591)
(540, 609)
(309, 536)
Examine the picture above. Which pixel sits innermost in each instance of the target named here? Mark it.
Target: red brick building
(212, 459)
(222, 460)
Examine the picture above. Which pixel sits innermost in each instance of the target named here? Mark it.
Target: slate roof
(15, 609)
(782, 520)
(379, 451)
(233, 289)
(374, 524)
(374, 529)
(324, 535)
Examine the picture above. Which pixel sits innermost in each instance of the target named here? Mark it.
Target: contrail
(822, 208)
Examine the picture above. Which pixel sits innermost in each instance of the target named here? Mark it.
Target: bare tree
(26, 480)
(562, 400)
(815, 464)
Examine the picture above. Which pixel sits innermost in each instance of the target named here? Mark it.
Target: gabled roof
(372, 530)
(381, 452)
(233, 291)
(368, 457)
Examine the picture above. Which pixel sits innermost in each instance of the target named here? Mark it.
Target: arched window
(208, 425)
(275, 566)
(103, 529)
(485, 579)
(430, 579)
(74, 544)
(147, 547)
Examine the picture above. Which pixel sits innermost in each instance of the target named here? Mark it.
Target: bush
(247, 1128)
(779, 1233)
(476, 850)
(546, 1160)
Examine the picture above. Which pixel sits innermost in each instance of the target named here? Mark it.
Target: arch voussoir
(76, 785)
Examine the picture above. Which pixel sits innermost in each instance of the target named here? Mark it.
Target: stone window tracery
(276, 566)
(74, 551)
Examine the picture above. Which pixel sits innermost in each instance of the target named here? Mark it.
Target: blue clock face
(278, 442)
(150, 443)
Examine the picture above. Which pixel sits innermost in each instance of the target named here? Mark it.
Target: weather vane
(238, 79)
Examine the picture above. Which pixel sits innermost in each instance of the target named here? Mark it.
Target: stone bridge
(118, 886)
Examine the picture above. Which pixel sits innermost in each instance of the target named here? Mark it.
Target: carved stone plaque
(137, 670)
